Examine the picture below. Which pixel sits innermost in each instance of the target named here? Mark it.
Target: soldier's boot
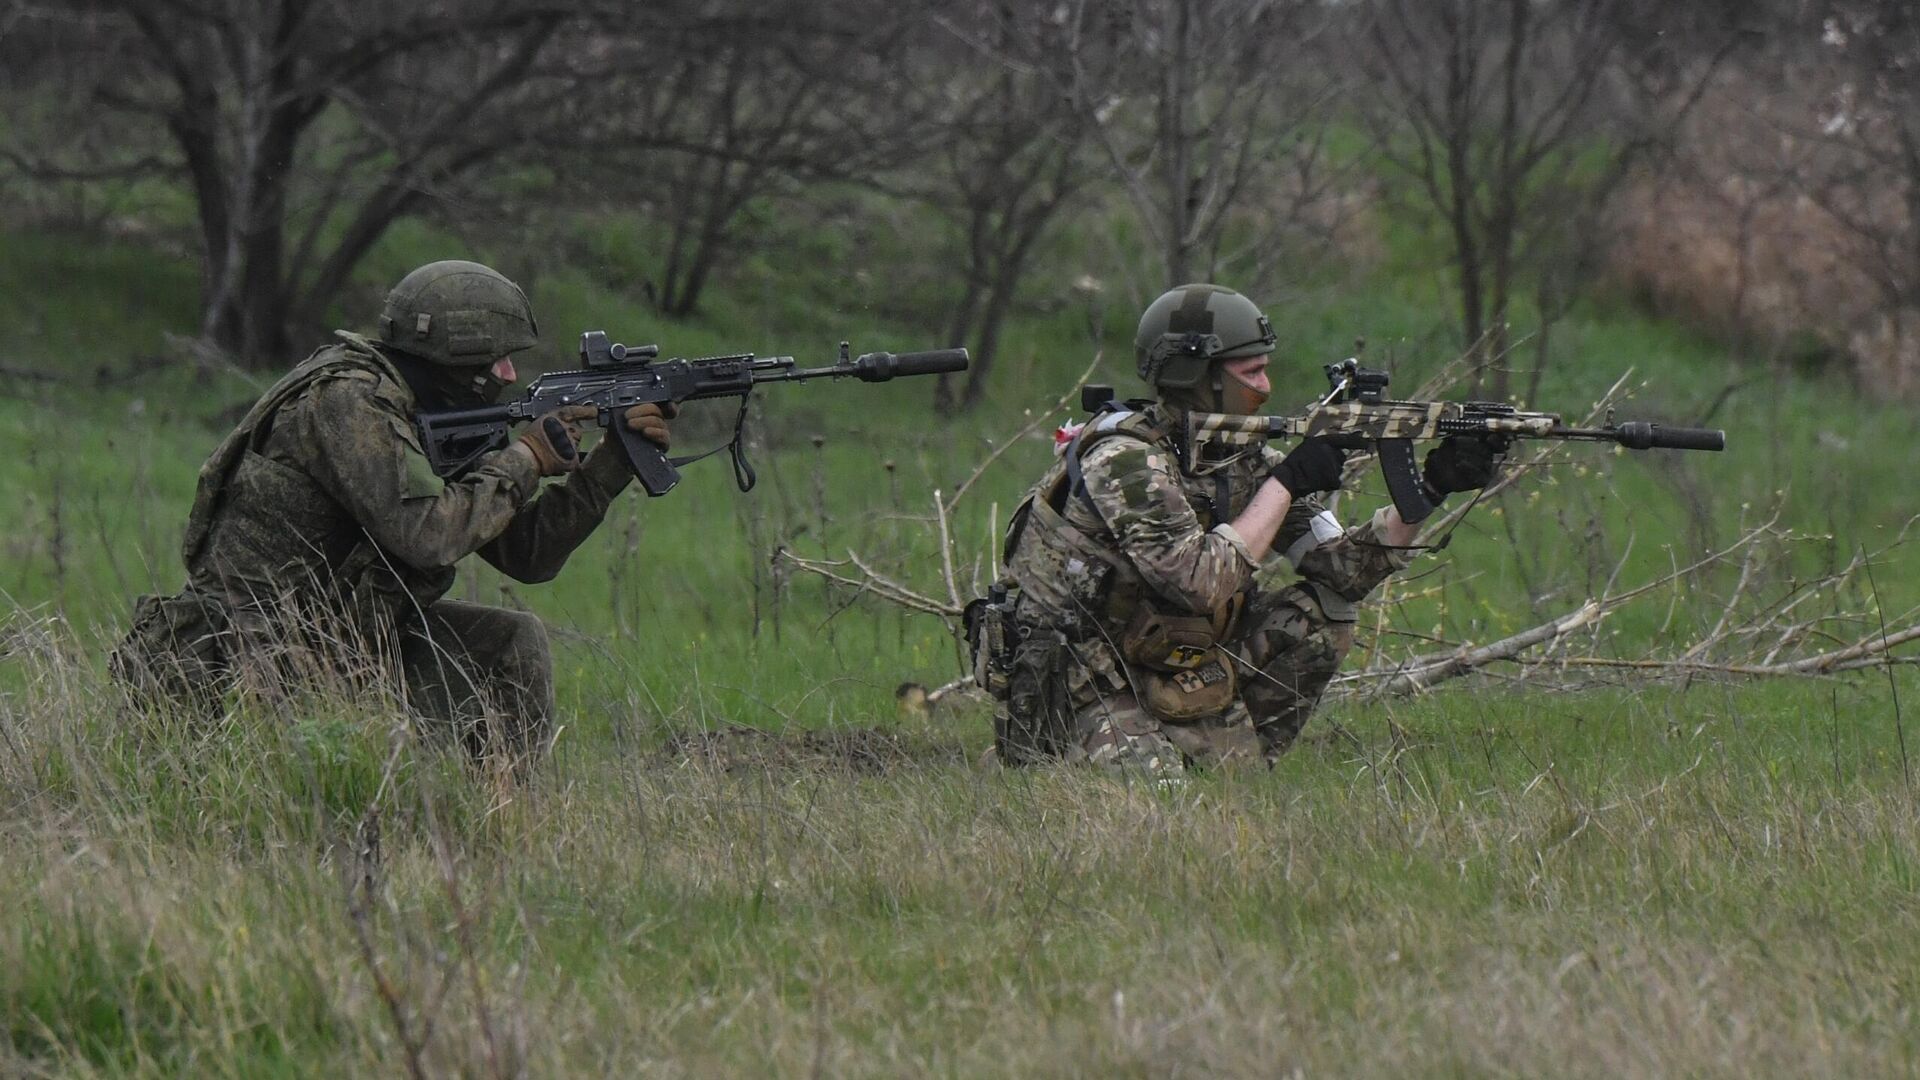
(486, 675)
(1292, 652)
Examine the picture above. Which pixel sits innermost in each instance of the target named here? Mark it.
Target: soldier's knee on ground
(485, 672)
(1295, 650)
(1118, 734)
(523, 682)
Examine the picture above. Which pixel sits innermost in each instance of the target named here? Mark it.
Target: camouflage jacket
(322, 492)
(1140, 524)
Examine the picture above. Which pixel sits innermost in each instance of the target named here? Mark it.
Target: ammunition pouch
(1183, 672)
(991, 636)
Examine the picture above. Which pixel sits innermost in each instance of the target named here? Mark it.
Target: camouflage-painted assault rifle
(618, 377)
(1357, 414)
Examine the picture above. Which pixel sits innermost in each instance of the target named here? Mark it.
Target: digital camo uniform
(1140, 544)
(320, 538)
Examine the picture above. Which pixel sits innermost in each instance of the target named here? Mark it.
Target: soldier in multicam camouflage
(321, 543)
(1131, 629)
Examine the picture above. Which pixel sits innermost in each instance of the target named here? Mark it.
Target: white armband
(1323, 529)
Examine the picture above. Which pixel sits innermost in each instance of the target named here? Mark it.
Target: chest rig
(1076, 577)
(262, 529)
(1076, 583)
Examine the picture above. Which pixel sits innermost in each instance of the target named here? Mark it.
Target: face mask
(437, 387)
(486, 387)
(1238, 398)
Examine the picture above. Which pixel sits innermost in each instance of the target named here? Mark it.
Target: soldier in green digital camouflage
(1128, 628)
(321, 543)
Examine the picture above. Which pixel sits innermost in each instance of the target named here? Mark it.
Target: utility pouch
(1032, 723)
(1205, 689)
(990, 638)
(1159, 641)
(1183, 673)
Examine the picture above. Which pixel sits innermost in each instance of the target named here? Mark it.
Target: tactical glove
(1459, 463)
(1313, 466)
(650, 420)
(554, 439)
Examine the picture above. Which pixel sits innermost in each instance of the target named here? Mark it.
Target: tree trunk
(1009, 269)
(999, 303)
(959, 328)
(708, 245)
(1178, 180)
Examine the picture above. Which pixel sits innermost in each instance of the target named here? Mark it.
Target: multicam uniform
(1135, 565)
(318, 524)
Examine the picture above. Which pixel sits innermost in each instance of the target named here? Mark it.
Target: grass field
(1568, 876)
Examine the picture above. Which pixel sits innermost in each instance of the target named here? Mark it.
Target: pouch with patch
(1204, 689)
(1161, 641)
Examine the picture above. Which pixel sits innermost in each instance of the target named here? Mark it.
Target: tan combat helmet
(457, 314)
(1188, 329)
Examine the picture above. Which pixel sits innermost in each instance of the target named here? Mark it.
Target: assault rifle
(616, 377)
(1356, 414)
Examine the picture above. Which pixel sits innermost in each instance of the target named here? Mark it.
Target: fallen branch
(876, 583)
(1465, 659)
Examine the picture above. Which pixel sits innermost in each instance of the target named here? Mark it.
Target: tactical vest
(1083, 590)
(1084, 585)
(261, 529)
(1066, 579)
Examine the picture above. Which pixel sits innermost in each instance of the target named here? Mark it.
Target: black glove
(1459, 463)
(1310, 467)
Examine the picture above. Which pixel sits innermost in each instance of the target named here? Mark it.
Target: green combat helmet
(457, 314)
(1190, 327)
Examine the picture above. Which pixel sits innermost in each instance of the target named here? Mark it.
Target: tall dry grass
(1641, 883)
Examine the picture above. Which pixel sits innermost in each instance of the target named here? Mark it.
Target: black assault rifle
(616, 377)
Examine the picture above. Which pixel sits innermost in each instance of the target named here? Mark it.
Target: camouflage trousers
(483, 673)
(1285, 654)
(479, 674)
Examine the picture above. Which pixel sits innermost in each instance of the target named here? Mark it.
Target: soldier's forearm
(1260, 522)
(1358, 561)
(541, 537)
(1395, 532)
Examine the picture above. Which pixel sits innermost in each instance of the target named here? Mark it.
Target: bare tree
(1200, 107)
(303, 128)
(1011, 156)
(1868, 181)
(1515, 120)
(738, 101)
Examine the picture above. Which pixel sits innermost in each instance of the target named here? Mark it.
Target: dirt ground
(862, 751)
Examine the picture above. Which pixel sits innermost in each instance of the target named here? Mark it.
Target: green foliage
(1704, 879)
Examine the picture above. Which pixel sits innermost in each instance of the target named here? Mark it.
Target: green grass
(1638, 882)
(1704, 878)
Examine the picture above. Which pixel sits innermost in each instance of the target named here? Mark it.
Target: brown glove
(650, 421)
(554, 439)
